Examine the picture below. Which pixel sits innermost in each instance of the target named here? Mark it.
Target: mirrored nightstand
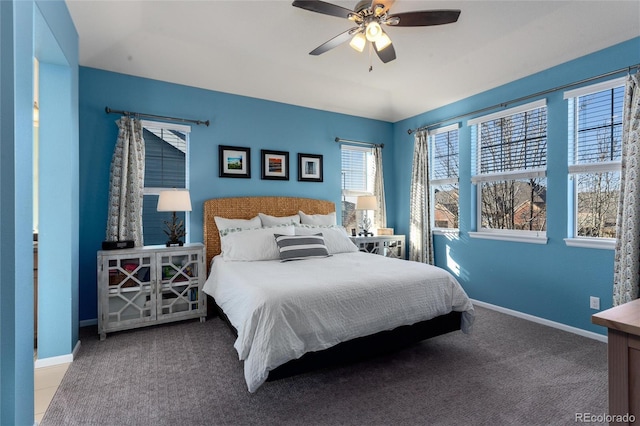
(384, 245)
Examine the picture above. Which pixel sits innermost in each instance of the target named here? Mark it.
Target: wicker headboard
(248, 207)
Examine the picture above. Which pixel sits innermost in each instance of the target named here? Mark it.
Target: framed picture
(234, 161)
(309, 168)
(275, 165)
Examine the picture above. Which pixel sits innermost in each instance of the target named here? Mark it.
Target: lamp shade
(175, 200)
(366, 202)
(358, 42)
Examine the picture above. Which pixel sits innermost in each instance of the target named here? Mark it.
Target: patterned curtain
(124, 221)
(420, 240)
(380, 218)
(626, 267)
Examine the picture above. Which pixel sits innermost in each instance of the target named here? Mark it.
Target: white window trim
(579, 168)
(447, 181)
(511, 111)
(155, 190)
(444, 129)
(534, 237)
(604, 166)
(595, 243)
(166, 125)
(594, 88)
(356, 148)
(367, 150)
(531, 237)
(435, 230)
(512, 175)
(354, 193)
(450, 233)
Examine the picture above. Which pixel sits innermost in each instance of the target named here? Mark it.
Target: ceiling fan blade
(425, 18)
(334, 42)
(387, 54)
(323, 7)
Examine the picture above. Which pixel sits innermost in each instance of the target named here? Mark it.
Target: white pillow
(318, 219)
(335, 237)
(224, 223)
(253, 244)
(278, 220)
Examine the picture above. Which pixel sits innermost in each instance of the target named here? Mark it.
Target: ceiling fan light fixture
(358, 42)
(392, 20)
(382, 42)
(373, 31)
(378, 9)
(355, 17)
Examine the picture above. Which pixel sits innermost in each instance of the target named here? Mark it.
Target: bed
(292, 316)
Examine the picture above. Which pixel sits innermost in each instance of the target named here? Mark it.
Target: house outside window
(166, 167)
(444, 180)
(510, 173)
(595, 151)
(357, 179)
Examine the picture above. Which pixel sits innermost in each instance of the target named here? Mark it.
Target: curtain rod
(524, 98)
(162, 117)
(339, 140)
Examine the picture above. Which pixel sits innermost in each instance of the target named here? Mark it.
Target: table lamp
(175, 200)
(366, 202)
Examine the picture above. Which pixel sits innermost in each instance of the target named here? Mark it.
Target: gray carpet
(508, 372)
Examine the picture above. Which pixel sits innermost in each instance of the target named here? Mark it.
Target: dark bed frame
(360, 348)
(345, 352)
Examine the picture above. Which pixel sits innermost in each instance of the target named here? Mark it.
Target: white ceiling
(260, 48)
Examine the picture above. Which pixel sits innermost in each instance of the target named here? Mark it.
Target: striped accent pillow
(298, 247)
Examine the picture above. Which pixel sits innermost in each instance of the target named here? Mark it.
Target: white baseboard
(558, 325)
(58, 360)
(86, 323)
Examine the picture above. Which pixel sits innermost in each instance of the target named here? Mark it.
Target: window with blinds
(444, 182)
(595, 149)
(510, 169)
(166, 167)
(357, 179)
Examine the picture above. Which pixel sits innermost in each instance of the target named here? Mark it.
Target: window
(595, 148)
(510, 171)
(444, 165)
(166, 167)
(357, 179)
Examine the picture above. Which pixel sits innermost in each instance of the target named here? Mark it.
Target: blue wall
(235, 121)
(30, 29)
(550, 281)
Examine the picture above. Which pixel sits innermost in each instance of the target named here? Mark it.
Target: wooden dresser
(623, 323)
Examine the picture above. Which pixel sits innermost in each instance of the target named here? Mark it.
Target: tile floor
(46, 381)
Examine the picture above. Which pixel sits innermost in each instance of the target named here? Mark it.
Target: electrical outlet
(594, 302)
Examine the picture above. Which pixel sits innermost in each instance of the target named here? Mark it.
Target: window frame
(369, 180)
(156, 190)
(574, 168)
(431, 138)
(534, 237)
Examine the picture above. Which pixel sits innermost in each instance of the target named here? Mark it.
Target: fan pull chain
(370, 57)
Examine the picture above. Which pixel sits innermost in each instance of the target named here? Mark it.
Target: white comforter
(283, 310)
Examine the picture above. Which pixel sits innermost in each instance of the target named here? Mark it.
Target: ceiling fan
(369, 16)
